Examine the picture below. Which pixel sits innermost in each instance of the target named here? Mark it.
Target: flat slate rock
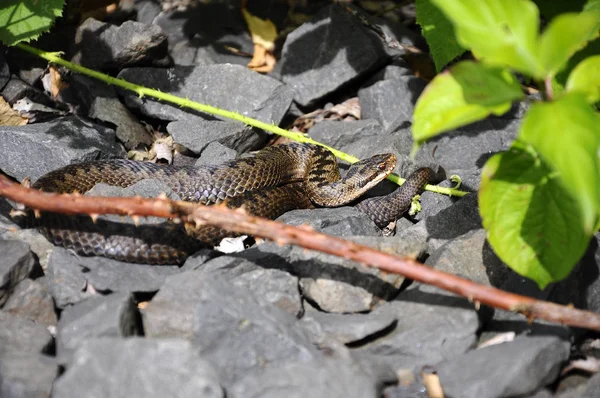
(321, 378)
(17, 262)
(114, 315)
(52, 145)
(103, 46)
(31, 299)
(241, 333)
(136, 367)
(327, 53)
(26, 374)
(416, 341)
(231, 87)
(510, 369)
(23, 335)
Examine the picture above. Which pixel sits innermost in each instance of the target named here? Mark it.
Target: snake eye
(381, 167)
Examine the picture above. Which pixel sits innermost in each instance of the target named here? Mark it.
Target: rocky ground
(268, 321)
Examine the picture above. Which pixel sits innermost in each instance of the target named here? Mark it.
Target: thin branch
(239, 221)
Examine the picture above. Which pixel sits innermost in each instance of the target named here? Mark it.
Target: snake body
(277, 179)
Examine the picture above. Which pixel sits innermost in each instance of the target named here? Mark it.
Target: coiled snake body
(275, 180)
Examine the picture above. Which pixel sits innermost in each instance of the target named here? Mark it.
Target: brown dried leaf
(8, 116)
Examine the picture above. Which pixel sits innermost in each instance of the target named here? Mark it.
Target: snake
(276, 179)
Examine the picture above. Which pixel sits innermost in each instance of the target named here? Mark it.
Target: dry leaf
(263, 34)
(8, 116)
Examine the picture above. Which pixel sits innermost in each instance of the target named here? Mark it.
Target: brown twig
(239, 221)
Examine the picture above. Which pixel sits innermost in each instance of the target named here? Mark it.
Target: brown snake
(275, 180)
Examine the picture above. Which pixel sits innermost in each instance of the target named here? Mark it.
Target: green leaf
(564, 36)
(585, 78)
(469, 92)
(566, 133)
(500, 32)
(592, 5)
(25, 20)
(592, 48)
(438, 32)
(533, 224)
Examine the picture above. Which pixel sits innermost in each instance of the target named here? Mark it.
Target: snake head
(365, 174)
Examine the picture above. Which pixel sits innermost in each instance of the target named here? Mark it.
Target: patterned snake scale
(277, 179)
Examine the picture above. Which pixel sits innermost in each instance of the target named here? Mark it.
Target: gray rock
(135, 367)
(103, 46)
(465, 151)
(344, 328)
(391, 102)
(16, 264)
(426, 332)
(4, 72)
(37, 242)
(504, 370)
(23, 335)
(340, 48)
(52, 145)
(322, 378)
(196, 135)
(66, 282)
(25, 374)
(335, 284)
(275, 286)
(341, 221)
(147, 10)
(16, 89)
(231, 87)
(216, 153)
(114, 315)
(31, 299)
(241, 333)
(592, 390)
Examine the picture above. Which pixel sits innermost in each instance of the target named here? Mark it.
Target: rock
(216, 153)
(4, 72)
(37, 242)
(31, 299)
(52, 145)
(465, 150)
(16, 264)
(333, 283)
(103, 46)
(16, 89)
(26, 374)
(23, 335)
(114, 315)
(341, 221)
(147, 10)
(66, 282)
(341, 50)
(275, 286)
(241, 333)
(321, 378)
(592, 389)
(196, 135)
(136, 367)
(345, 328)
(230, 87)
(391, 102)
(527, 364)
(416, 341)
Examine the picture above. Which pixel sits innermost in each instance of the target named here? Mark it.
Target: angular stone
(527, 363)
(416, 341)
(196, 135)
(391, 102)
(66, 282)
(23, 335)
(52, 145)
(231, 87)
(103, 46)
(17, 262)
(137, 368)
(240, 333)
(340, 50)
(25, 374)
(31, 299)
(216, 153)
(114, 315)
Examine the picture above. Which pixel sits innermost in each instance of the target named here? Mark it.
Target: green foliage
(468, 93)
(438, 32)
(25, 20)
(540, 201)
